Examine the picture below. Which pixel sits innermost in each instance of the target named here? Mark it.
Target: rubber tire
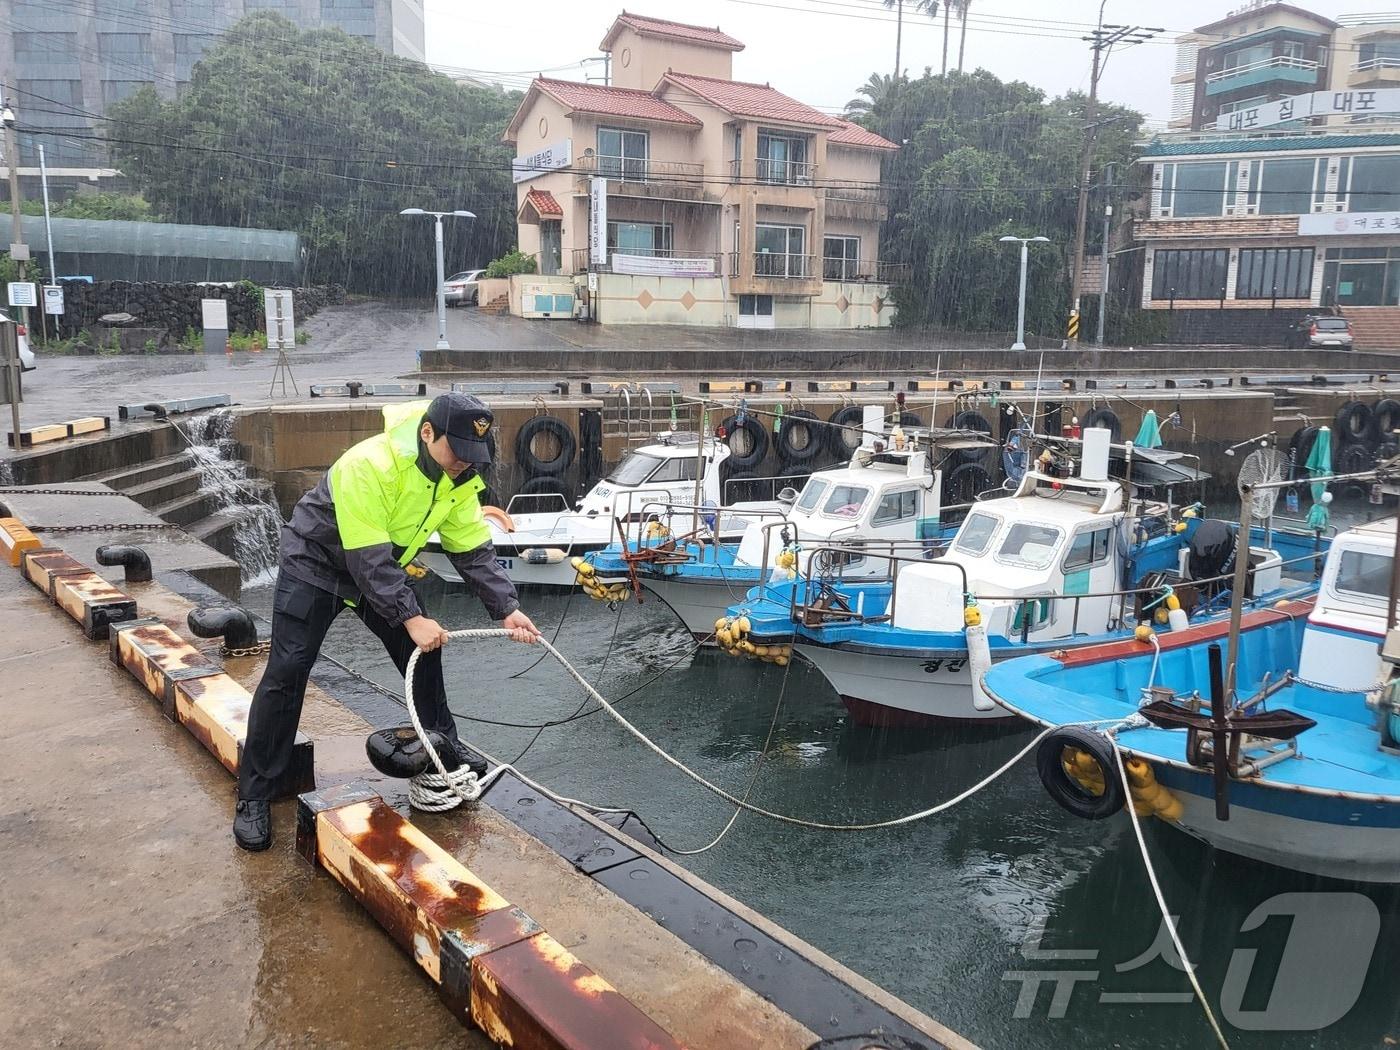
(1353, 422)
(842, 444)
(758, 435)
(971, 420)
(1385, 420)
(1063, 789)
(1105, 417)
(1299, 448)
(737, 493)
(1353, 459)
(531, 463)
(807, 424)
(963, 483)
(911, 419)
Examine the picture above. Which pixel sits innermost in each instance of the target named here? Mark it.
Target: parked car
(461, 288)
(1321, 330)
(27, 361)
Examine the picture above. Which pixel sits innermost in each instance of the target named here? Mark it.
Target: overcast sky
(819, 51)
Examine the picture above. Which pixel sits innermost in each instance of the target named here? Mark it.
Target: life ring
(1385, 420)
(503, 521)
(1108, 420)
(555, 437)
(748, 442)
(1074, 796)
(800, 439)
(1353, 422)
(844, 434)
(971, 420)
(963, 483)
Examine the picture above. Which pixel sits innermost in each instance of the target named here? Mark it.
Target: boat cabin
(1341, 643)
(657, 474)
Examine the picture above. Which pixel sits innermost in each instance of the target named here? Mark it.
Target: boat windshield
(634, 469)
(1030, 545)
(811, 495)
(976, 533)
(1365, 573)
(845, 501)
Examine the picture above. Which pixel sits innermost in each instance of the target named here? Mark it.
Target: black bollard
(234, 625)
(133, 559)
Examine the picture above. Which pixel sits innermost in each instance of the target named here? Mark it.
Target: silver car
(461, 288)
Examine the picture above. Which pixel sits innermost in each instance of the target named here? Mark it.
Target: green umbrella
(1319, 464)
(1149, 435)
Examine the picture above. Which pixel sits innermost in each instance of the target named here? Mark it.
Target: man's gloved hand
(521, 627)
(426, 634)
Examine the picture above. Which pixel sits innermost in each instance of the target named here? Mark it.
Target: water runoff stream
(979, 916)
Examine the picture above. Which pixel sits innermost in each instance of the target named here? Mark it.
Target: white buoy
(1177, 619)
(979, 661)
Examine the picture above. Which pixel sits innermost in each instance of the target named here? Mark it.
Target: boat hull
(698, 604)
(522, 572)
(883, 690)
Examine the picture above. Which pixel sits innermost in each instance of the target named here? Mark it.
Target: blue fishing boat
(1293, 760)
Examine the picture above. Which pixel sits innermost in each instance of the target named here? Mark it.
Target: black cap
(467, 422)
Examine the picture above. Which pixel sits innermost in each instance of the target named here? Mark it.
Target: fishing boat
(535, 545)
(886, 498)
(1063, 561)
(1293, 759)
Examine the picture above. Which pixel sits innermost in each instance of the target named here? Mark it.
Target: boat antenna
(1035, 403)
(933, 408)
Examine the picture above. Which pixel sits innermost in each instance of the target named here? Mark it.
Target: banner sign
(1340, 224)
(663, 267)
(551, 158)
(1317, 104)
(598, 221)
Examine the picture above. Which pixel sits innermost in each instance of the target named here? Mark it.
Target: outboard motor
(1213, 547)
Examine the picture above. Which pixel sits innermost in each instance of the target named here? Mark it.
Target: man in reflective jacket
(347, 545)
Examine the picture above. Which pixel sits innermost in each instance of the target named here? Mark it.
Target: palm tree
(898, 6)
(963, 5)
(876, 91)
(947, 11)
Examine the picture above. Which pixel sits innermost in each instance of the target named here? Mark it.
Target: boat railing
(534, 500)
(666, 513)
(808, 612)
(747, 484)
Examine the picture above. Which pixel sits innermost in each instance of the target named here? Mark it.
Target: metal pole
(48, 230)
(1103, 291)
(16, 220)
(1237, 591)
(699, 472)
(1085, 161)
(1021, 303)
(442, 343)
(1394, 580)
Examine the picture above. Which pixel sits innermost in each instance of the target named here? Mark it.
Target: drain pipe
(134, 560)
(229, 622)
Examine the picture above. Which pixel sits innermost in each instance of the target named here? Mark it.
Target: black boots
(469, 758)
(252, 824)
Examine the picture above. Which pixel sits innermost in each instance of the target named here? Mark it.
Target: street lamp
(442, 343)
(1025, 243)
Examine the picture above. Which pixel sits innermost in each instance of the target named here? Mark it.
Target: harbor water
(1005, 918)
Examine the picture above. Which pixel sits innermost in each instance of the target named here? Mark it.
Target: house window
(640, 238)
(623, 154)
(840, 258)
(1198, 273)
(1373, 183)
(1379, 54)
(125, 49)
(116, 90)
(1267, 273)
(781, 251)
(782, 158)
(1196, 189)
(1287, 187)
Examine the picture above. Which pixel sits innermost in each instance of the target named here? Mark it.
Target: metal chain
(260, 649)
(60, 492)
(122, 527)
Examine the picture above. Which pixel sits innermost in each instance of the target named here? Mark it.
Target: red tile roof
(612, 101)
(703, 35)
(543, 202)
(751, 100)
(855, 135)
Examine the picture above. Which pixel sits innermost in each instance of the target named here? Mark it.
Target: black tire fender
(1385, 420)
(738, 492)
(1108, 419)
(1299, 448)
(969, 419)
(963, 483)
(800, 426)
(524, 446)
(1353, 422)
(843, 436)
(756, 435)
(1067, 791)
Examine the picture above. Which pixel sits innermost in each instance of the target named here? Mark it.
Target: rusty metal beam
(15, 539)
(157, 657)
(492, 963)
(77, 590)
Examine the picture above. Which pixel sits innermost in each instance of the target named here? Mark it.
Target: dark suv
(1321, 330)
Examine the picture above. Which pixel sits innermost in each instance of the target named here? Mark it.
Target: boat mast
(1237, 590)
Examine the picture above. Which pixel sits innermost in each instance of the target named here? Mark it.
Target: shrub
(513, 261)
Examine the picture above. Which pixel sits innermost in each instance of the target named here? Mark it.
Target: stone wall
(176, 307)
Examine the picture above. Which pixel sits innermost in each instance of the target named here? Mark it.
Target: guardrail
(1277, 62)
(640, 169)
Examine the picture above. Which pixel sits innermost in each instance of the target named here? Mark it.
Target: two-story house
(676, 194)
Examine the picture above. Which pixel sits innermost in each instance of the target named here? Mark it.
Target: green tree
(125, 206)
(319, 132)
(873, 94)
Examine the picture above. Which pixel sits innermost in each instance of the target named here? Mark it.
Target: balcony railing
(640, 169)
(864, 271)
(1277, 62)
(777, 172)
(860, 194)
(777, 264)
(1379, 62)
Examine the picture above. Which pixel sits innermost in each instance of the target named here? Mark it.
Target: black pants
(301, 616)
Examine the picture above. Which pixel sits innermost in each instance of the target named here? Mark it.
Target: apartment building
(67, 60)
(1268, 64)
(677, 194)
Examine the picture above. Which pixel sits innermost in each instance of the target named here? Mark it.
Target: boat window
(1364, 573)
(634, 469)
(896, 506)
(976, 533)
(676, 468)
(1088, 548)
(845, 501)
(1030, 545)
(811, 495)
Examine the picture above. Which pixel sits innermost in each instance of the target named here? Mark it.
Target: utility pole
(1101, 42)
(19, 253)
(1107, 187)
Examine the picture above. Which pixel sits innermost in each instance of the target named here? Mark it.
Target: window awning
(538, 206)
